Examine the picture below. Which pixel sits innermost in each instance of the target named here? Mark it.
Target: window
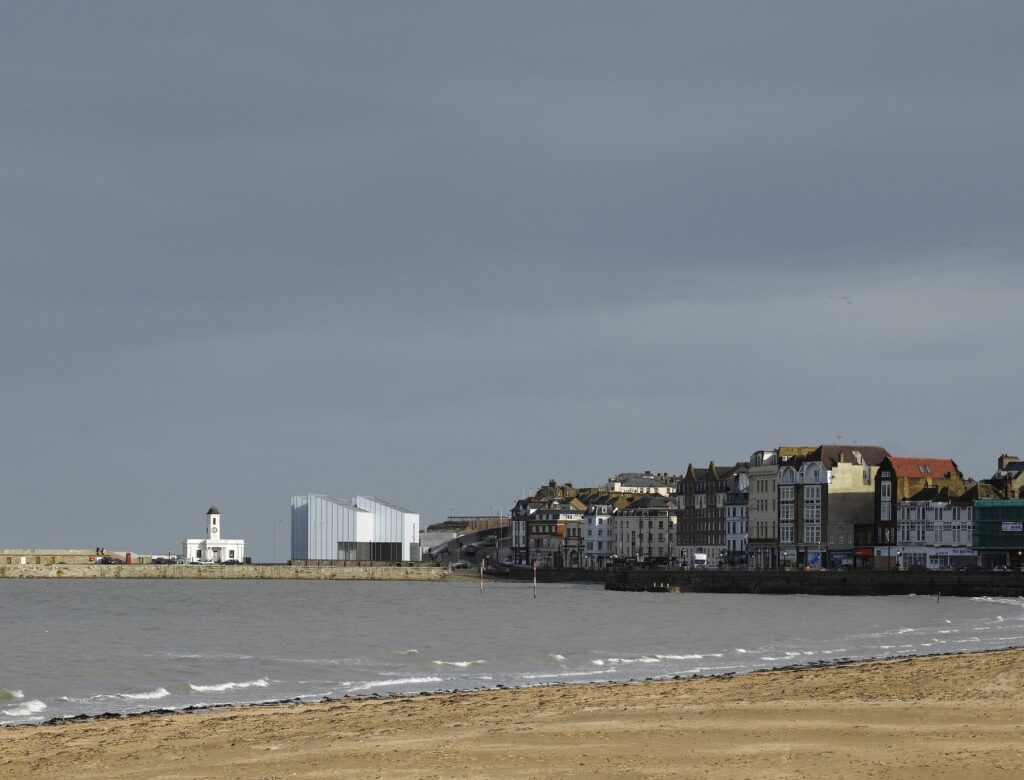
(786, 493)
(786, 533)
(231, 553)
(812, 533)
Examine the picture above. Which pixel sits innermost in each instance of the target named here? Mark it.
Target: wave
(460, 664)
(653, 658)
(228, 686)
(7, 695)
(411, 651)
(30, 707)
(365, 686)
(159, 693)
(555, 657)
(559, 675)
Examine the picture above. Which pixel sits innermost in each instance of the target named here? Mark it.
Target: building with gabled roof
(823, 496)
(899, 478)
(700, 528)
(1009, 476)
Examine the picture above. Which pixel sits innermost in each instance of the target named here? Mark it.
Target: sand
(939, 717)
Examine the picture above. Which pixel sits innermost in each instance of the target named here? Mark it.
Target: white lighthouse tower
(214, 549)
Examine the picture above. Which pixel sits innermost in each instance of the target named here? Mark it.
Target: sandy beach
(938, 717)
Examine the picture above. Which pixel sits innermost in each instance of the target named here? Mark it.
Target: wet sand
(939, 717)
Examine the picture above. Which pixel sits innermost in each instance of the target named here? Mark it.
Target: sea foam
(365, 686)
(228, 686)
(460, 664)
(30, 707)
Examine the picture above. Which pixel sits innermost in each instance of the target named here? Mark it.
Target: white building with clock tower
(214, 549)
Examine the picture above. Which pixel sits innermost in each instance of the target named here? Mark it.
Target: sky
(442, 252)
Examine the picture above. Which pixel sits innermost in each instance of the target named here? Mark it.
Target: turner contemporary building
(360, 529)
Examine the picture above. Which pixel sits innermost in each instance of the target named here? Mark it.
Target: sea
(89, 647)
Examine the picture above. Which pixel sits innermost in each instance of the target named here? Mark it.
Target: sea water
(87, 647)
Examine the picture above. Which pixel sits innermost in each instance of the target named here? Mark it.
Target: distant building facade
(642, 483)
(823, 496)
(736, 506)
(933, 532)
(646, 528)
(898, 479)
(999, 532)
(700, 531)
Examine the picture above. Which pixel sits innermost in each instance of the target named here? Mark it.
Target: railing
(373, 564)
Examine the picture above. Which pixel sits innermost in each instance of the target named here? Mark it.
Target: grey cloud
(442, 252)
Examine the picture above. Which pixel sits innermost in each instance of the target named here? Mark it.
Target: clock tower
(213, 524)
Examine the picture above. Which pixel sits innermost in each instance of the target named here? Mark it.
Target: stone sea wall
(190, 572)
(821, 583)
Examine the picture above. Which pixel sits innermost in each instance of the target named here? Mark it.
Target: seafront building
(830, 506)
(555, 536)
(762, 510)
(934, 531)
(360, 529)
(214, 549)
(823, 495)
(598, 544)
(700, 532)
(999, 532)
(736, 507)
(900, 478)
(646, 528)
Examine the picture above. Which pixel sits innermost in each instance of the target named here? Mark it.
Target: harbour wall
(189, 572)
(819, 583)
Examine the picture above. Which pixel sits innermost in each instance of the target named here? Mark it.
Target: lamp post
(276, 521)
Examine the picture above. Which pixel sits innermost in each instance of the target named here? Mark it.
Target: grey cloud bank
(441, 253)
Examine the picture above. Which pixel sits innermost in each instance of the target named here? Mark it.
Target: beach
(955, 716)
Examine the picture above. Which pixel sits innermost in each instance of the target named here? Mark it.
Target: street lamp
(276, 521)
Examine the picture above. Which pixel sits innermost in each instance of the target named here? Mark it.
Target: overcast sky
(441, 252)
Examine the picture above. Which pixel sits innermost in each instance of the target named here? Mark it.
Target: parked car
(1000, 567)
(107, 560)
(231, 562)
(460, 565)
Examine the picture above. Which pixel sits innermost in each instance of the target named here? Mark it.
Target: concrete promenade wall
(828, 583)
(821, 583)
(255, 572)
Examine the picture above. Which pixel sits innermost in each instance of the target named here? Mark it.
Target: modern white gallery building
(361, 529)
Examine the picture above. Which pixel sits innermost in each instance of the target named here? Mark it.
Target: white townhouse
(597, 535)
(736, 504)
